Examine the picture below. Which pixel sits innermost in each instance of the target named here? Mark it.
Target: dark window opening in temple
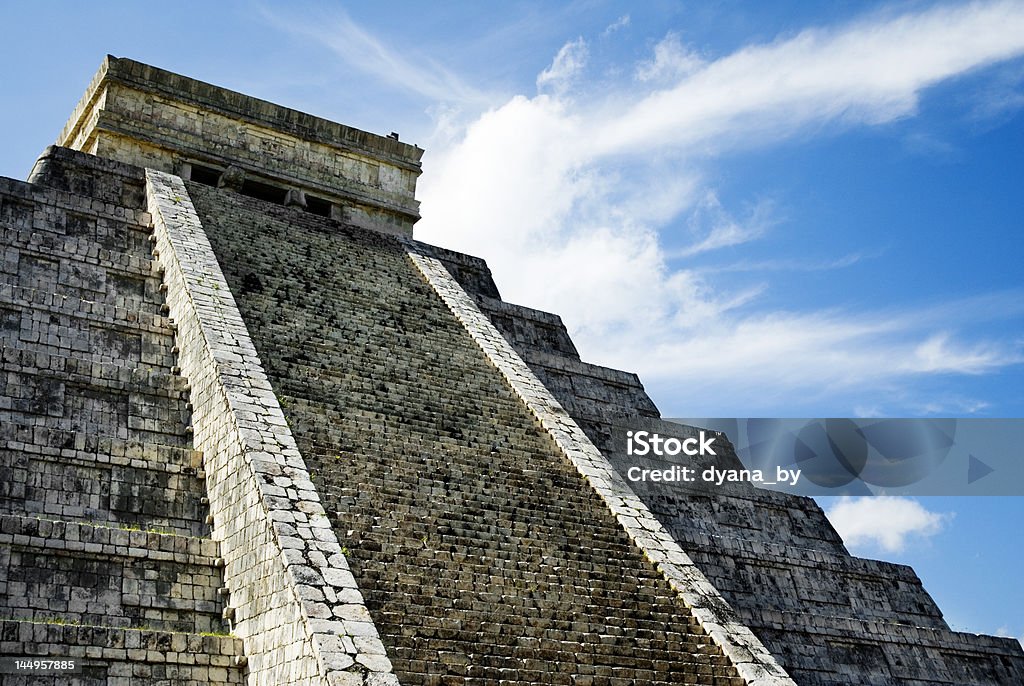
(262, 191)
(204, 175)
(318, 206)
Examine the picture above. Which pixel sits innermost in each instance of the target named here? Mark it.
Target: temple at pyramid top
(142, 115)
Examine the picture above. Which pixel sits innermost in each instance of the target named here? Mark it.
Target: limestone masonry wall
(105, 557)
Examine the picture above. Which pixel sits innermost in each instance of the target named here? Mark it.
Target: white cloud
(885, 522)
(934, 405)
(360, 49)
(620, 23)
(568, 63)
(939, 354)
(869, 72)
(709, 352)
(570, 200)
(719, 229)
(795, 265)
(671, 60)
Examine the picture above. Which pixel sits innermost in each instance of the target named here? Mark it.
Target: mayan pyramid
(254, 433)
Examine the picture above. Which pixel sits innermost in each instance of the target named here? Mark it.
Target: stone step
(29, 437)
(457, 667)
(39, 330)
(157, 383)
(455, 533)
(77, 486)
(815, 580)
(504, 509)
(529, 598)
(882, 653)
(89, 574)
(61, 174)
(333, 369)
(108, 655)
(484, 626)
(27, 205)
(469, 659)
(102, 274)
(459, 540)
(453, 667)
(84, 239)
(71, 393)
(529, 328)
(510, 549)
(101, 414)
(20, 298)
(484, 573)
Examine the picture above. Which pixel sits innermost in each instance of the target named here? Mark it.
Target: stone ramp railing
(294, 602)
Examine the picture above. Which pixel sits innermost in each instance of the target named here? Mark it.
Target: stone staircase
(482, 554)
(830, 618)
(105, 553)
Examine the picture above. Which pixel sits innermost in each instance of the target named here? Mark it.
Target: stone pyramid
(254, 432)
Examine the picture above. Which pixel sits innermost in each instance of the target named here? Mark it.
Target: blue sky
(765, 209)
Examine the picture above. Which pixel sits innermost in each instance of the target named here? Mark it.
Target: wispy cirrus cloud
(617, 25)
(717, 228)
(360, 49)
(671, 60)
(794, 265)
(869, 72)
(568, 63)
